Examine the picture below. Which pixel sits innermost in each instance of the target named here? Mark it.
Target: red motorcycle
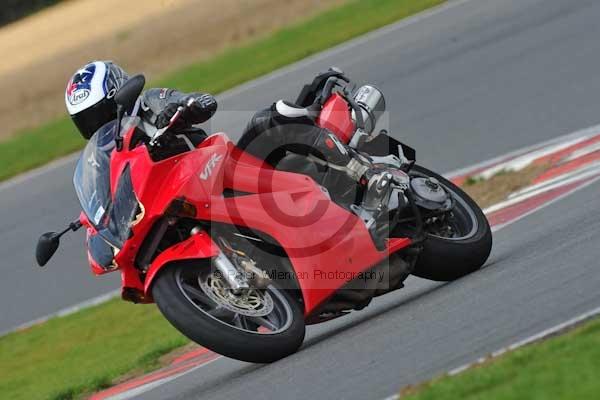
(239, 255)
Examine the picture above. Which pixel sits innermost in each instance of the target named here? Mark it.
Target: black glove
(198, 110)
(164, 118)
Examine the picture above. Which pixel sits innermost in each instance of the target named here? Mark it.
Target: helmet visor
(91, 119)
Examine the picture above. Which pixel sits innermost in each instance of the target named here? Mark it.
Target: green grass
(564, 367)
(38, 146)
(84, 351)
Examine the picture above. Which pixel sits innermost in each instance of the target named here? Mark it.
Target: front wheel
(255, 325)
(458, 242)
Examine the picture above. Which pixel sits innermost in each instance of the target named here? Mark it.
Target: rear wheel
(458, 242)
(256, 325)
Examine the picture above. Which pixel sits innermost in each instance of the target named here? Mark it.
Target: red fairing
(336, 117)
(197, 246)
(325, 243)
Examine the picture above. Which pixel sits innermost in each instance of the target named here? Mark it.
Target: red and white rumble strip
(181, 365)
(575, 164)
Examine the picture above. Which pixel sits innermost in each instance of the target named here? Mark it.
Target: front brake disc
(251, 302)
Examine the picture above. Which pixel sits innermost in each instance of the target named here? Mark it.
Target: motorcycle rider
(283, 130)
(272, 133)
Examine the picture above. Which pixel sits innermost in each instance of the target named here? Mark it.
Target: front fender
(198, 246)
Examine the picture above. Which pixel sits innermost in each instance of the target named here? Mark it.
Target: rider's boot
(377, 183)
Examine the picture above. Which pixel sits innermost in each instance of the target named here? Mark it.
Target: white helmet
(90, 95)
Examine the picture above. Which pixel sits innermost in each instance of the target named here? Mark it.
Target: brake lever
(159, 133)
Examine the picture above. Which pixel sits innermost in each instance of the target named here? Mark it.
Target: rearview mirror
(129, 92)
(47, 245)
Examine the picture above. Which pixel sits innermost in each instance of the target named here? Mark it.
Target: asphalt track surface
(473, 80)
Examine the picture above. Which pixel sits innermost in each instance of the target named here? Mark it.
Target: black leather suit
(284, 134)
(284, 127)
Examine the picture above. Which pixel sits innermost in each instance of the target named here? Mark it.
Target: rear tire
(448, 259)
(219, 336)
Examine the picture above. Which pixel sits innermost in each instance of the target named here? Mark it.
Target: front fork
(239, 271)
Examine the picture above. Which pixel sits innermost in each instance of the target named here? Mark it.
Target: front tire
(186, 306)
(450, 258)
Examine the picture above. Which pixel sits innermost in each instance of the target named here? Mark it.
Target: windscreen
(110, 213)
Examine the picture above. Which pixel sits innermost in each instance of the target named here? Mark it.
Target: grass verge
(487, 192)
(38, 146)
(83, 352)
(563, 367)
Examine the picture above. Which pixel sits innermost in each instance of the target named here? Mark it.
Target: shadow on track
(235, 371)
(368, 316)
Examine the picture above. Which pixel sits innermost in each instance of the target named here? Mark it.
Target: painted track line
(499, 226)
(531, 339)
(545, 334)
(36, 172)
(94, 301)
